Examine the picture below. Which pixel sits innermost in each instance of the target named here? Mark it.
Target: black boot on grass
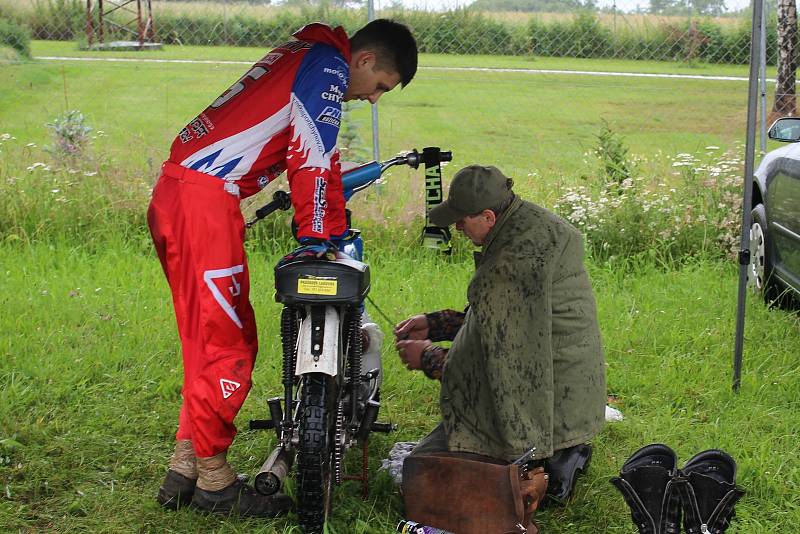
(241, 499)
(648, 481)
(709, 492)
(176, 490)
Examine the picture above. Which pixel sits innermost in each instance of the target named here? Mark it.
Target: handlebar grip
(432, 155)
(280, 201)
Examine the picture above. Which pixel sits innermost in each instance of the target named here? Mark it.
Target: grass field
(90, 368)
(91, 376)
(476, 114)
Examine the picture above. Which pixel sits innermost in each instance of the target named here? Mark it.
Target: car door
(783, 216)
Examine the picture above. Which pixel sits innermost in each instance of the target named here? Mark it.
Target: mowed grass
(90, 372)
(536, 127)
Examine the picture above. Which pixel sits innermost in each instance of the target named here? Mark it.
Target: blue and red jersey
(283, 114)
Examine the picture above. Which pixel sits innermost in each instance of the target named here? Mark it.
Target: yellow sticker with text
(317, 286)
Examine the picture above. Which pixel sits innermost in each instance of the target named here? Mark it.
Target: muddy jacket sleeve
(433, 360)
(444, 325)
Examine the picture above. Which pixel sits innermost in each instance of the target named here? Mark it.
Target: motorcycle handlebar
(362, 177)
(428, 156)
(280, 201)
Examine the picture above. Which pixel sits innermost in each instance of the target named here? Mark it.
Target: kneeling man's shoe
(176, 490)
(563, 469)
(648, 483)
(240, 499)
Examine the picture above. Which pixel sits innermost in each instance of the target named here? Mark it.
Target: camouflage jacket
(526, 368)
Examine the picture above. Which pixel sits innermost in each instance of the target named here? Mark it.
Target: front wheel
(314, 452)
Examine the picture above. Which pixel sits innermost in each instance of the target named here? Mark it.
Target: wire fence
(687, 35)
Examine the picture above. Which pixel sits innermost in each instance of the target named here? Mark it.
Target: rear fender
(314, 357)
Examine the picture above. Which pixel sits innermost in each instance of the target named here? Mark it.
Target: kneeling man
(526, 366)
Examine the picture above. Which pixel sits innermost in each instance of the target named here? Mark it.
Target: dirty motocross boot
(178, 486)
(709, 492)
(220, 491)
(176, 490)
(647, 482)
(240, 499)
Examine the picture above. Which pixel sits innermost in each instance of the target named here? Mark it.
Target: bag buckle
(522, 529)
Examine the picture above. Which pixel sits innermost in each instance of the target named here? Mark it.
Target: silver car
(775, 227)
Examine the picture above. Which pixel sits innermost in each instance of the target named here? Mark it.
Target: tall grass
(50, 199)
(638, 214)
(696, 213)
(15, 36)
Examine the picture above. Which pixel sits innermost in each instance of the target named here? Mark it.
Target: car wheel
(759, 272)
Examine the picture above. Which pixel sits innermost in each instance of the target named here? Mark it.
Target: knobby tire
(314, 453)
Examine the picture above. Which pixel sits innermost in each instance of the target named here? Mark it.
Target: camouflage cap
(473, 189)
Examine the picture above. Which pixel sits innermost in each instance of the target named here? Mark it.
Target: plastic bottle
(411, 527)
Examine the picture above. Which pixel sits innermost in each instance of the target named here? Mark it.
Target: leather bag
(470, 494)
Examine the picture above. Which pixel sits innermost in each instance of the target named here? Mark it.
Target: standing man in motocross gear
(283, 114)
(526, 365)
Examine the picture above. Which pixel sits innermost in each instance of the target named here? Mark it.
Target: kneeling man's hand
(410, 352)
(415, 327)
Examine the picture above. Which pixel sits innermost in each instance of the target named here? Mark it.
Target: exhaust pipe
(270, 477)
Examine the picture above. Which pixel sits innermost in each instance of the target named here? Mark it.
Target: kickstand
(364, 476)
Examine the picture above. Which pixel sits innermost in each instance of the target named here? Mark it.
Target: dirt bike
(331, 384)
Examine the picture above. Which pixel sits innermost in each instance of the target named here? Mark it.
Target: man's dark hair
(394, 46)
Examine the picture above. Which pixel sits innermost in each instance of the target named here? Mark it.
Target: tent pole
(744, 251)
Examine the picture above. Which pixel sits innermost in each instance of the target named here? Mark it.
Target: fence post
(225, 34)
(375, 148)
(763, 76)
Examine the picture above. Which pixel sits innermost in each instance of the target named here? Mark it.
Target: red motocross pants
(198, 232)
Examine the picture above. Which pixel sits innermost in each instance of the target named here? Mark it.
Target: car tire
(759, 272)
